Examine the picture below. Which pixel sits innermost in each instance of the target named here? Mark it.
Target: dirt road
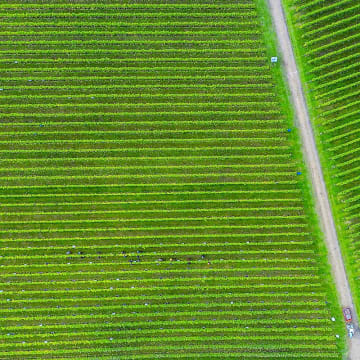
(313, 163)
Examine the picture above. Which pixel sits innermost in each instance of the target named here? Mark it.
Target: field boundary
(312, 159)
(339, 223)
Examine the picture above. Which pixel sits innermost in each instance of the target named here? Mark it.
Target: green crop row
(153, 202)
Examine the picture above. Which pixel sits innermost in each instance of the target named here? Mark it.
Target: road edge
(312, 160)
(336, 206)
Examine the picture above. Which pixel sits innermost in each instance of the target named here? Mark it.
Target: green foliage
(327, 38)
(150, 202)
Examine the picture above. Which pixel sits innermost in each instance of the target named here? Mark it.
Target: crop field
(153, 203)
(328, 35)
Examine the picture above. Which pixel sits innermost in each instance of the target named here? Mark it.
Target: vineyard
(153, 201)
(328, 39)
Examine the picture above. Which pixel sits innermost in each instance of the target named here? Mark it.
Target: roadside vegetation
(326, 37)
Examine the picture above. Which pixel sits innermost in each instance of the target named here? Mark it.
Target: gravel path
(313, 164)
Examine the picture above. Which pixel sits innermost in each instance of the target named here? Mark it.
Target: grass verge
(283, 90)
(336, 207)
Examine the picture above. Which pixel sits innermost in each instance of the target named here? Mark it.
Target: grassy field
(153, 201)
(327, 45)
